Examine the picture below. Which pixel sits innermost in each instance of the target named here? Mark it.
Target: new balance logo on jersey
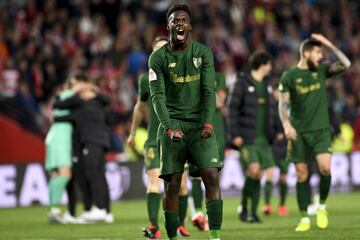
(172, 65)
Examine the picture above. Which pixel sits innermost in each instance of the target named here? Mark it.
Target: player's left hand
(207, 130)
(326, 42)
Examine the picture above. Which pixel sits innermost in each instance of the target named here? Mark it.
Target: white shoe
(94, 215)
(69, 219)
(312, 208)
(109, 218)
(54, 216)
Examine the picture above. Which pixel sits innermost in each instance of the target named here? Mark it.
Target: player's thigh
(298, 150)
(265, 155)
(282, 164)
(248, 155)
(321, 142)
(203, 153)
(151, 157)
(172, 155)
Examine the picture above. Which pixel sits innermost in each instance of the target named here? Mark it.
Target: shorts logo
(152, 75)
(151, 153)
(214, 160)
(197, 62)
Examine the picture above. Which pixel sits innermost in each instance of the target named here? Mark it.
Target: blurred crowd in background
(43, 41)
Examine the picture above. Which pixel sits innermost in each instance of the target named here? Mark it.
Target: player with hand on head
(304, 114)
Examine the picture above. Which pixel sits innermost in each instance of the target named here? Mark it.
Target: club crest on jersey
(197, 62)
(299, 80)
(314, 75)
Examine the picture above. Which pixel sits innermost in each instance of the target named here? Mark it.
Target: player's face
(267, 68)
(179, 26)
(159, 44)
(314, 57)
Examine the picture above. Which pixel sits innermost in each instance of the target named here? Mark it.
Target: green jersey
(182, 84)
(144, 94)
(308, 101)
(261, 109)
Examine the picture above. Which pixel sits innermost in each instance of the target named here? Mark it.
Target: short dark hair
(257, 59)
(309, 44)
(159, 39)
(176, 7)
(79, 76)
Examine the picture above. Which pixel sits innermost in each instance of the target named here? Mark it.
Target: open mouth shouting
(180, 34)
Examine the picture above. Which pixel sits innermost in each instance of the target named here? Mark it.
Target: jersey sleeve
(220, 82)
(144, 92)
(208, 85)
(284, 85)
(157, 90)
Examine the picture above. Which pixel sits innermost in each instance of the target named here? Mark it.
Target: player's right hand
(131, 141)
(290, 132)
(176, 135)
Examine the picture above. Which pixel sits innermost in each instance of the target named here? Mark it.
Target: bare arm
(284, 103)
(220, 99)
(138, 116)
(342, 62)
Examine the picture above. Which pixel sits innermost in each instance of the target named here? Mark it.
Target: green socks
(171, 223)
(245, 192)
(267, 191)
(214, 234)
(255, 195)
(56, 189)
(215, 213)
(183, 203)
(325, 183)
(197, 194)
(283, 193)
(302, 195)
(153, 205)
(251, 190)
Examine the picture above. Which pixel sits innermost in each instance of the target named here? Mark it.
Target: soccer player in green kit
(251, 119)
(198, 219)
(182, 86)
(152, 160)
(306, 127)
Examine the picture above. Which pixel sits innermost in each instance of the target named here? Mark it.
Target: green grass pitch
(31, 223)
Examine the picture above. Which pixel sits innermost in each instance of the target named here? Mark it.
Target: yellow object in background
(343, 143)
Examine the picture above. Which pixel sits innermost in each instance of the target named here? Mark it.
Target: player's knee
(153, 186)
(324, 170)
(211, 180)
(302, 175)
(183, 190)
(254, 173)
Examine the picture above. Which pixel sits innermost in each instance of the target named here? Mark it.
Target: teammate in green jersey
(198, 218)
(151, 155)
(182, 86)
(306, 127)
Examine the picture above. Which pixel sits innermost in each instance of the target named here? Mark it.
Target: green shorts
(151, 156)
(197, 152)
(258, 152)
(309, 143)
(282, 164)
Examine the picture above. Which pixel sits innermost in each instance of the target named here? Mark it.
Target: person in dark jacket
(91, 142)
(251, 120)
